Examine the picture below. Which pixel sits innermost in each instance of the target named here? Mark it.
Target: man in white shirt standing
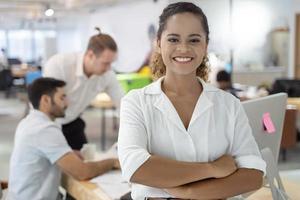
(86, 75)
(40, 149)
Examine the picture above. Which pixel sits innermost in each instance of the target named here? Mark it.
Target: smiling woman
(182, 51)
(195, 42)
(179, 136)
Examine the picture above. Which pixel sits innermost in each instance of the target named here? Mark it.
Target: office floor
(12, 111)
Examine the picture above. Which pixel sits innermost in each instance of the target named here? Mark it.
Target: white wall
(295, 9)
(128, 24)
(252, 21)
(50, 48)
(217, 13)
(72, 34)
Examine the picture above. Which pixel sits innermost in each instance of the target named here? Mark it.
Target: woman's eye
(195, 40)
(173, 40)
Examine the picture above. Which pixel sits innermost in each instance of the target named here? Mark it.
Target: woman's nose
(182, 47)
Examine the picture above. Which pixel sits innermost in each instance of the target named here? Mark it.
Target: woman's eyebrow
(173, 34)
(195, 35)
(177, 35)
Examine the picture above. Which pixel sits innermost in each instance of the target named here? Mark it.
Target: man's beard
(56, 111)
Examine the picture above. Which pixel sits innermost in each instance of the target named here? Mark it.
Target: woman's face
(183, 44)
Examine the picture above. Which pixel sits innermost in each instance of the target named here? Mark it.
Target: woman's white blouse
(149, 124)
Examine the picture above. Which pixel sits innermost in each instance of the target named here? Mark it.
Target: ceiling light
(49, 11)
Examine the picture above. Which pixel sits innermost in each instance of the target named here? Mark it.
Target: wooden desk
(19, 72)
(83, 190)
(294, 101)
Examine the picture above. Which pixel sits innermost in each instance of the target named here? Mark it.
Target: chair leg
(115, 123)
(103, 129)
(283, 154)
(7, 93)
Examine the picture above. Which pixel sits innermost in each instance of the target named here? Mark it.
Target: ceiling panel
(20, 13)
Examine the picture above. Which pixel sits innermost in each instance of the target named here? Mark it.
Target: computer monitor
(14, 61)
(289, 86)
(255, 109)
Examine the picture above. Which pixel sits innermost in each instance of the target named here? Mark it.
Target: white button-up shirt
(80, 89)
(149, 124)
(39, 143)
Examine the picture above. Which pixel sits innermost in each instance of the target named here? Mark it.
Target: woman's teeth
(182, 59)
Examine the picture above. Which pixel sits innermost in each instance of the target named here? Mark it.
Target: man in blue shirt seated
(41, 150)
(224, 82)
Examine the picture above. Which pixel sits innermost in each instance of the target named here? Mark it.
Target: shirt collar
(163, 104)
(39, 114)
(155, 88)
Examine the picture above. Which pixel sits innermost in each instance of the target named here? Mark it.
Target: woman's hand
(116, 164)
(224, 166)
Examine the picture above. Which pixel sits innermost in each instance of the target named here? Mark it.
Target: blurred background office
(256, 41)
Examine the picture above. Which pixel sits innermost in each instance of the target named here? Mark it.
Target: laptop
(266, 117)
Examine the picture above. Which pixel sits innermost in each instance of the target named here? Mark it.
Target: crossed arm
(189, 180)
(241, 181)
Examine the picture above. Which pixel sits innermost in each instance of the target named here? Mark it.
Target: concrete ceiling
(28, 13)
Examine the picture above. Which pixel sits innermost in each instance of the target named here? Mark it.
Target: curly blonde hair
(156, 63)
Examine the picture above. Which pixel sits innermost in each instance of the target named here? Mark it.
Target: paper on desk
(112, 184)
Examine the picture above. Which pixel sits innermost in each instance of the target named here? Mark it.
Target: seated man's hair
(42, 86)
(223, 76)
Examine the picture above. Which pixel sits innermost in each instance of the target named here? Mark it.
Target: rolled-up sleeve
(244, 148)
(132, 140)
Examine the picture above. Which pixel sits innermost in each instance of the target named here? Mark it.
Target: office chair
(273, 178)
(31, 76)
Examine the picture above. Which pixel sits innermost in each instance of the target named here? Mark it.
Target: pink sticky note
(268, 123)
